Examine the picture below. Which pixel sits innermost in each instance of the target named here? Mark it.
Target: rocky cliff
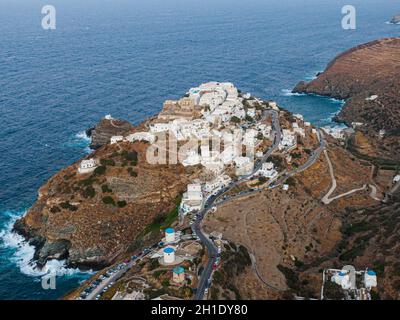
(105, 129)
(367, 77)
(395, 19)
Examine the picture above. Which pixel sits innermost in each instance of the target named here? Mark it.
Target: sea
(124, 58)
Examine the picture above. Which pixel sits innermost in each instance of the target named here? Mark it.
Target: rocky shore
(367, 77)
(91, 219)
(395, 19)
(105, 129)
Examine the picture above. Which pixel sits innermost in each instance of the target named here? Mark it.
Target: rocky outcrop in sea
(105, 129)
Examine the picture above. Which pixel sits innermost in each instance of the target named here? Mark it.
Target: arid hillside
(367, 77)
(92, 218)
(291, 235)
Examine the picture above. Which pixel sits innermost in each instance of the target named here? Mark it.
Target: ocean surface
(124, 58)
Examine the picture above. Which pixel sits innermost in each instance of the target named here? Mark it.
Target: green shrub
(249, 119)
(165, 283)
(132, 156)
(86, 182)
(235, 119)
(132, 173)
(291, 181)
(89, 192)
(109, 200)
(67, 205)
(105, 189)
(107, 162)
(55, 209)
(154, 264)
(121, 203)
(158, 273)
(100, 170)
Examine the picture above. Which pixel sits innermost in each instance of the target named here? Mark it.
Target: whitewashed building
(251, 112)
(141, 136)
(87, 166)
(220, 182)
(243, 165)
(116, 139)
(192, 199)
(159, 127)
(268, 171)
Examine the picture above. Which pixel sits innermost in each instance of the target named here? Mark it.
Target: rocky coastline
(366, 77)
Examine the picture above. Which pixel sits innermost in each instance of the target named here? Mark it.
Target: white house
(300, 131)
(288, 140)
(192, 200)
(141, 136)
(267, 170)
(251, 112)
(212, 187)
(239, 113)
(342, 279)
(229, 153)
(192, 159)
(159, 127)
(249, 137)
(265, 130)
(87, 166)
(273, 105)
(298, 116)
(115, 139)
(372, 98)
(244, 165)
(216, 167)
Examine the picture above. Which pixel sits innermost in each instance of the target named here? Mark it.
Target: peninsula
(224, 195)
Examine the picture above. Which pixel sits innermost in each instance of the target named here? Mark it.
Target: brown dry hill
(92, 219)
(357, 74)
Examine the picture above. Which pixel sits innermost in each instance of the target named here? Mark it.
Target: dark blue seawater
(124, 58)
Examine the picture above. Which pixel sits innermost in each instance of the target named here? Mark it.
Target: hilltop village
(219, 196)
(209, 113)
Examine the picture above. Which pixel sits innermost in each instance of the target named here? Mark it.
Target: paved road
(310, 161)
(205, 278)
(212, 250)
(114, 277)
(106, 282)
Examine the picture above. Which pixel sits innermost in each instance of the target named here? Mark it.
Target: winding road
(205, 278)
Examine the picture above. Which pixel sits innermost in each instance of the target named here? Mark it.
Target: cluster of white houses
(213, 112)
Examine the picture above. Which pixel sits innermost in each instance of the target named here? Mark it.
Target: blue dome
(371, 273)
(341, 274)
(178, 270)
(169, 230)
(168, 250)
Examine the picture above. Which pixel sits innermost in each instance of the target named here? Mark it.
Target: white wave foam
(289, 93)
(23, 253)
(388, 22)
(82, 136)
(313, 76)
(337, 100)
